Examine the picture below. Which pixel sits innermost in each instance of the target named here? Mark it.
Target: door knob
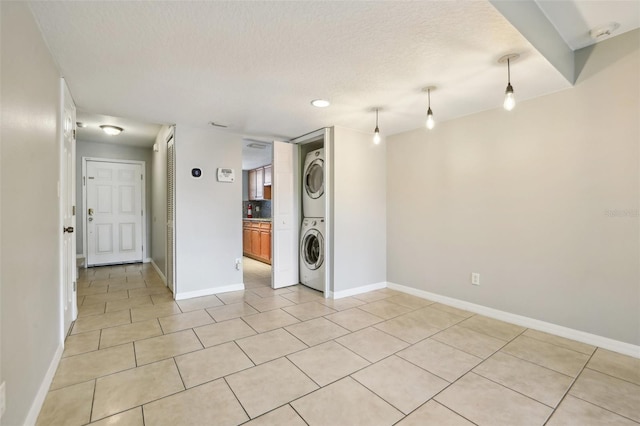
(68, 229)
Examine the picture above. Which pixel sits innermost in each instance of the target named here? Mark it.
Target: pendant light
(509, 98)
(376, 132)
(430, 123)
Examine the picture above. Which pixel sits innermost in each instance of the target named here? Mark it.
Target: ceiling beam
(531, 22)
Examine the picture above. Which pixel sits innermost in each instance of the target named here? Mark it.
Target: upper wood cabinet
(252, 185)
(267, 175)
(259, 179)
(259, 184)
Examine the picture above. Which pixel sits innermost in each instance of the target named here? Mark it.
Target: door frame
(326, 134)
(83, 218)
(65, 96)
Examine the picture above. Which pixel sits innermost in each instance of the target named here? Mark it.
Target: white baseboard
(164, 279)
(209, 291)
(36, 406)
(357, 290)
(147, 260)
(547, 327)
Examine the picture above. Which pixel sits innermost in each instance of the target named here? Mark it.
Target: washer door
(314, 178)
(312, 249)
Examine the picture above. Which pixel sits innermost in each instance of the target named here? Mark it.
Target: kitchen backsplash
(265, 208)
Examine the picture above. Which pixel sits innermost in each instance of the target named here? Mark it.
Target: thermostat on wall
(226, 175)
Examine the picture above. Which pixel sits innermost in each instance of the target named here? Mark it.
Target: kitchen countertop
(257, 219)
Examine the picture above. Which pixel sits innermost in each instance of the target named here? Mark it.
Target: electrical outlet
(475, 278)
(238, 264)
(3, 405)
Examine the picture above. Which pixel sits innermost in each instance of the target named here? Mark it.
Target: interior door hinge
(74, 134)
(141, 177)
(74, 286)
(84, 180)
(73, 210)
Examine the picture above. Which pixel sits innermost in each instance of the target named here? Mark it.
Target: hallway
(291, 357)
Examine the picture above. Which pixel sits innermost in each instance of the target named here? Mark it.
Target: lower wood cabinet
(256, 240)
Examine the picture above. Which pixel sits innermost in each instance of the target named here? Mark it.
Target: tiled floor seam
(573, 382)
(237, 399)
(586, 367)
(513, 390)
(466, 352)
(603, 408)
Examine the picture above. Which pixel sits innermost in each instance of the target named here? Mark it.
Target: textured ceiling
(135, 133)
(255, 66)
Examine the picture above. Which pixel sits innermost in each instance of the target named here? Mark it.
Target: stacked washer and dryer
(312, 250)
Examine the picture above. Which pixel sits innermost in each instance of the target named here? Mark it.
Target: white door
(285, 212)
(68, 200)
(114, 212)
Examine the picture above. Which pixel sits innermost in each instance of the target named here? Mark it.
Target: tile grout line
(573, 382)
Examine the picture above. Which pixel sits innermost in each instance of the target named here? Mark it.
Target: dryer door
(314, 178)
(313, 249)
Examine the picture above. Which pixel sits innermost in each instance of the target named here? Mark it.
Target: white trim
(38, 401)
(357, 290)
(147, 260)
(209, 291)
(81, 216)
(558, 330)
(164, 279)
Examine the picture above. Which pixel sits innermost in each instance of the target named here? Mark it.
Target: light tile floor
(290, 357)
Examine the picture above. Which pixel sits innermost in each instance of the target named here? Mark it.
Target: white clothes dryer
(312, 265)
(313, 184)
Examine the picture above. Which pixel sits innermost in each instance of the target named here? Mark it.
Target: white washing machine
(312, 253)
(313, 184)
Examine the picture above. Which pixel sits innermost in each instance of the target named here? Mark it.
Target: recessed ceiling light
(320, 103)
(604, 30)
(111, 130)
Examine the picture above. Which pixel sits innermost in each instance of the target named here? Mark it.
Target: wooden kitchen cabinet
(267, 175)
(256, 240)
(252, 184)
(260, 183)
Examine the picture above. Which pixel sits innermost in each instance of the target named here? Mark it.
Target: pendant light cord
(429, 97)
(376, 118)
(508, 71)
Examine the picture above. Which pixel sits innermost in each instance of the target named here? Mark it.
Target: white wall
(85, 148)
(30, 263)
(208, 212)
(158, 194)
(526, 199)
(359, 210)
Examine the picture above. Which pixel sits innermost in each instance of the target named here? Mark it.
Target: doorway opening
(257, 157)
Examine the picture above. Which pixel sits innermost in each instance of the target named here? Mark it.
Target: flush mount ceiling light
(320, 103)
(430, 121)
(604, 30)
(81, 124)
(509, 98)
(111, 130)
(376, 132)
